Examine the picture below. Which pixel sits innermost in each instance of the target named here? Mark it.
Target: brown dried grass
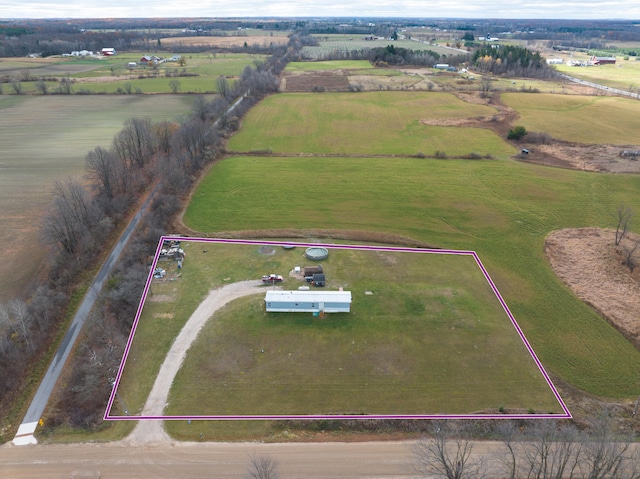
(589, 263)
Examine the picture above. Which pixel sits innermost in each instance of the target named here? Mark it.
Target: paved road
(379, 460)
(34, 413)
(601, 87)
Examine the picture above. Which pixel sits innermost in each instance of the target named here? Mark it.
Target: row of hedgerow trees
(161, 159)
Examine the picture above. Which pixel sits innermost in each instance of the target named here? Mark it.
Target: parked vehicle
(272, 278)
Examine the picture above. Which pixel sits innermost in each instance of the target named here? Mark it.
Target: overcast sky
(576, 9)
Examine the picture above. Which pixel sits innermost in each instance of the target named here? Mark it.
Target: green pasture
(432, 338)
(624, 75)
(44, 139)
(365, 124)
(160, 84)
(501, 209)
(585, 119)
(203, 64)
(328, 65)
(99, 76)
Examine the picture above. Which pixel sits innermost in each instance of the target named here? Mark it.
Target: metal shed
(308, 301)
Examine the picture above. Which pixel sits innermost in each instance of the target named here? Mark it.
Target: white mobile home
(308, 301)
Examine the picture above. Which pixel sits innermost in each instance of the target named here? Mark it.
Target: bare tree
(508, 433)
(174, 86)
(630, 258)
(623, 215)
(262, 467)
(136, 143)
(42, 87)
(553, 452)
(16, 318)
(69, 218)
(606, 455)
(201, 108)
(223, 86)
(164, 130)
(17, 86)
(105, 171)
(194, 144)
(65, 87)
(447, 453)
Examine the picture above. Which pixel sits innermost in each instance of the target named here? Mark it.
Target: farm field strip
(585, 119)
(366, 123)
(398, 339)
(348, 43)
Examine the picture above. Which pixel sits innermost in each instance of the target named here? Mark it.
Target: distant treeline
(392, 55)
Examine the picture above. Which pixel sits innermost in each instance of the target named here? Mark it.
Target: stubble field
(45, 139)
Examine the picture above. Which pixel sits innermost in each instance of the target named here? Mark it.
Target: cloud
(575, 9)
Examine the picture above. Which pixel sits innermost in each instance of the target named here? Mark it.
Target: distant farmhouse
(317, 302)
(107, 52)
(79, 53)
(602, 60)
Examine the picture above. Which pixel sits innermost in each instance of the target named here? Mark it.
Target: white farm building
(308, 301)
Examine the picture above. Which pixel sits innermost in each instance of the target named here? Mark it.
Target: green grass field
(432, 338)
(501, 209)
(585, 119)
(624, 75)
(44, 139)
(385, 123)
(106, 75)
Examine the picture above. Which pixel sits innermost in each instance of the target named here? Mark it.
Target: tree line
(392, 55)
(159, 158)
(540, 449)
(513, 61)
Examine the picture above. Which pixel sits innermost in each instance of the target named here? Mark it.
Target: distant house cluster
(79, 53)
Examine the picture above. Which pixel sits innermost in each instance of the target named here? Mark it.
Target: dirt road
(206, 460)
(151, 431)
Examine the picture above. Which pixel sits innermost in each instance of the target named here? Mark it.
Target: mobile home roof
(310, 296)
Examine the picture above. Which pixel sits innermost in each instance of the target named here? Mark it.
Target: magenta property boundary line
(112, 398)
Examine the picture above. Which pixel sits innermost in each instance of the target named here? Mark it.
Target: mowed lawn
(499, 208)
(429, 338)
(377, 123)
(584, 119)
(45, 139)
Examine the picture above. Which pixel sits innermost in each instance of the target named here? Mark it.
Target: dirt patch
(577, 156)
(331, 80)
(160, 298)
(587, 260)
(267, 250)
(226, 42)
(500, 122)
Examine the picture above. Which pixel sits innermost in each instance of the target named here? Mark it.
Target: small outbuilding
(308, 301)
